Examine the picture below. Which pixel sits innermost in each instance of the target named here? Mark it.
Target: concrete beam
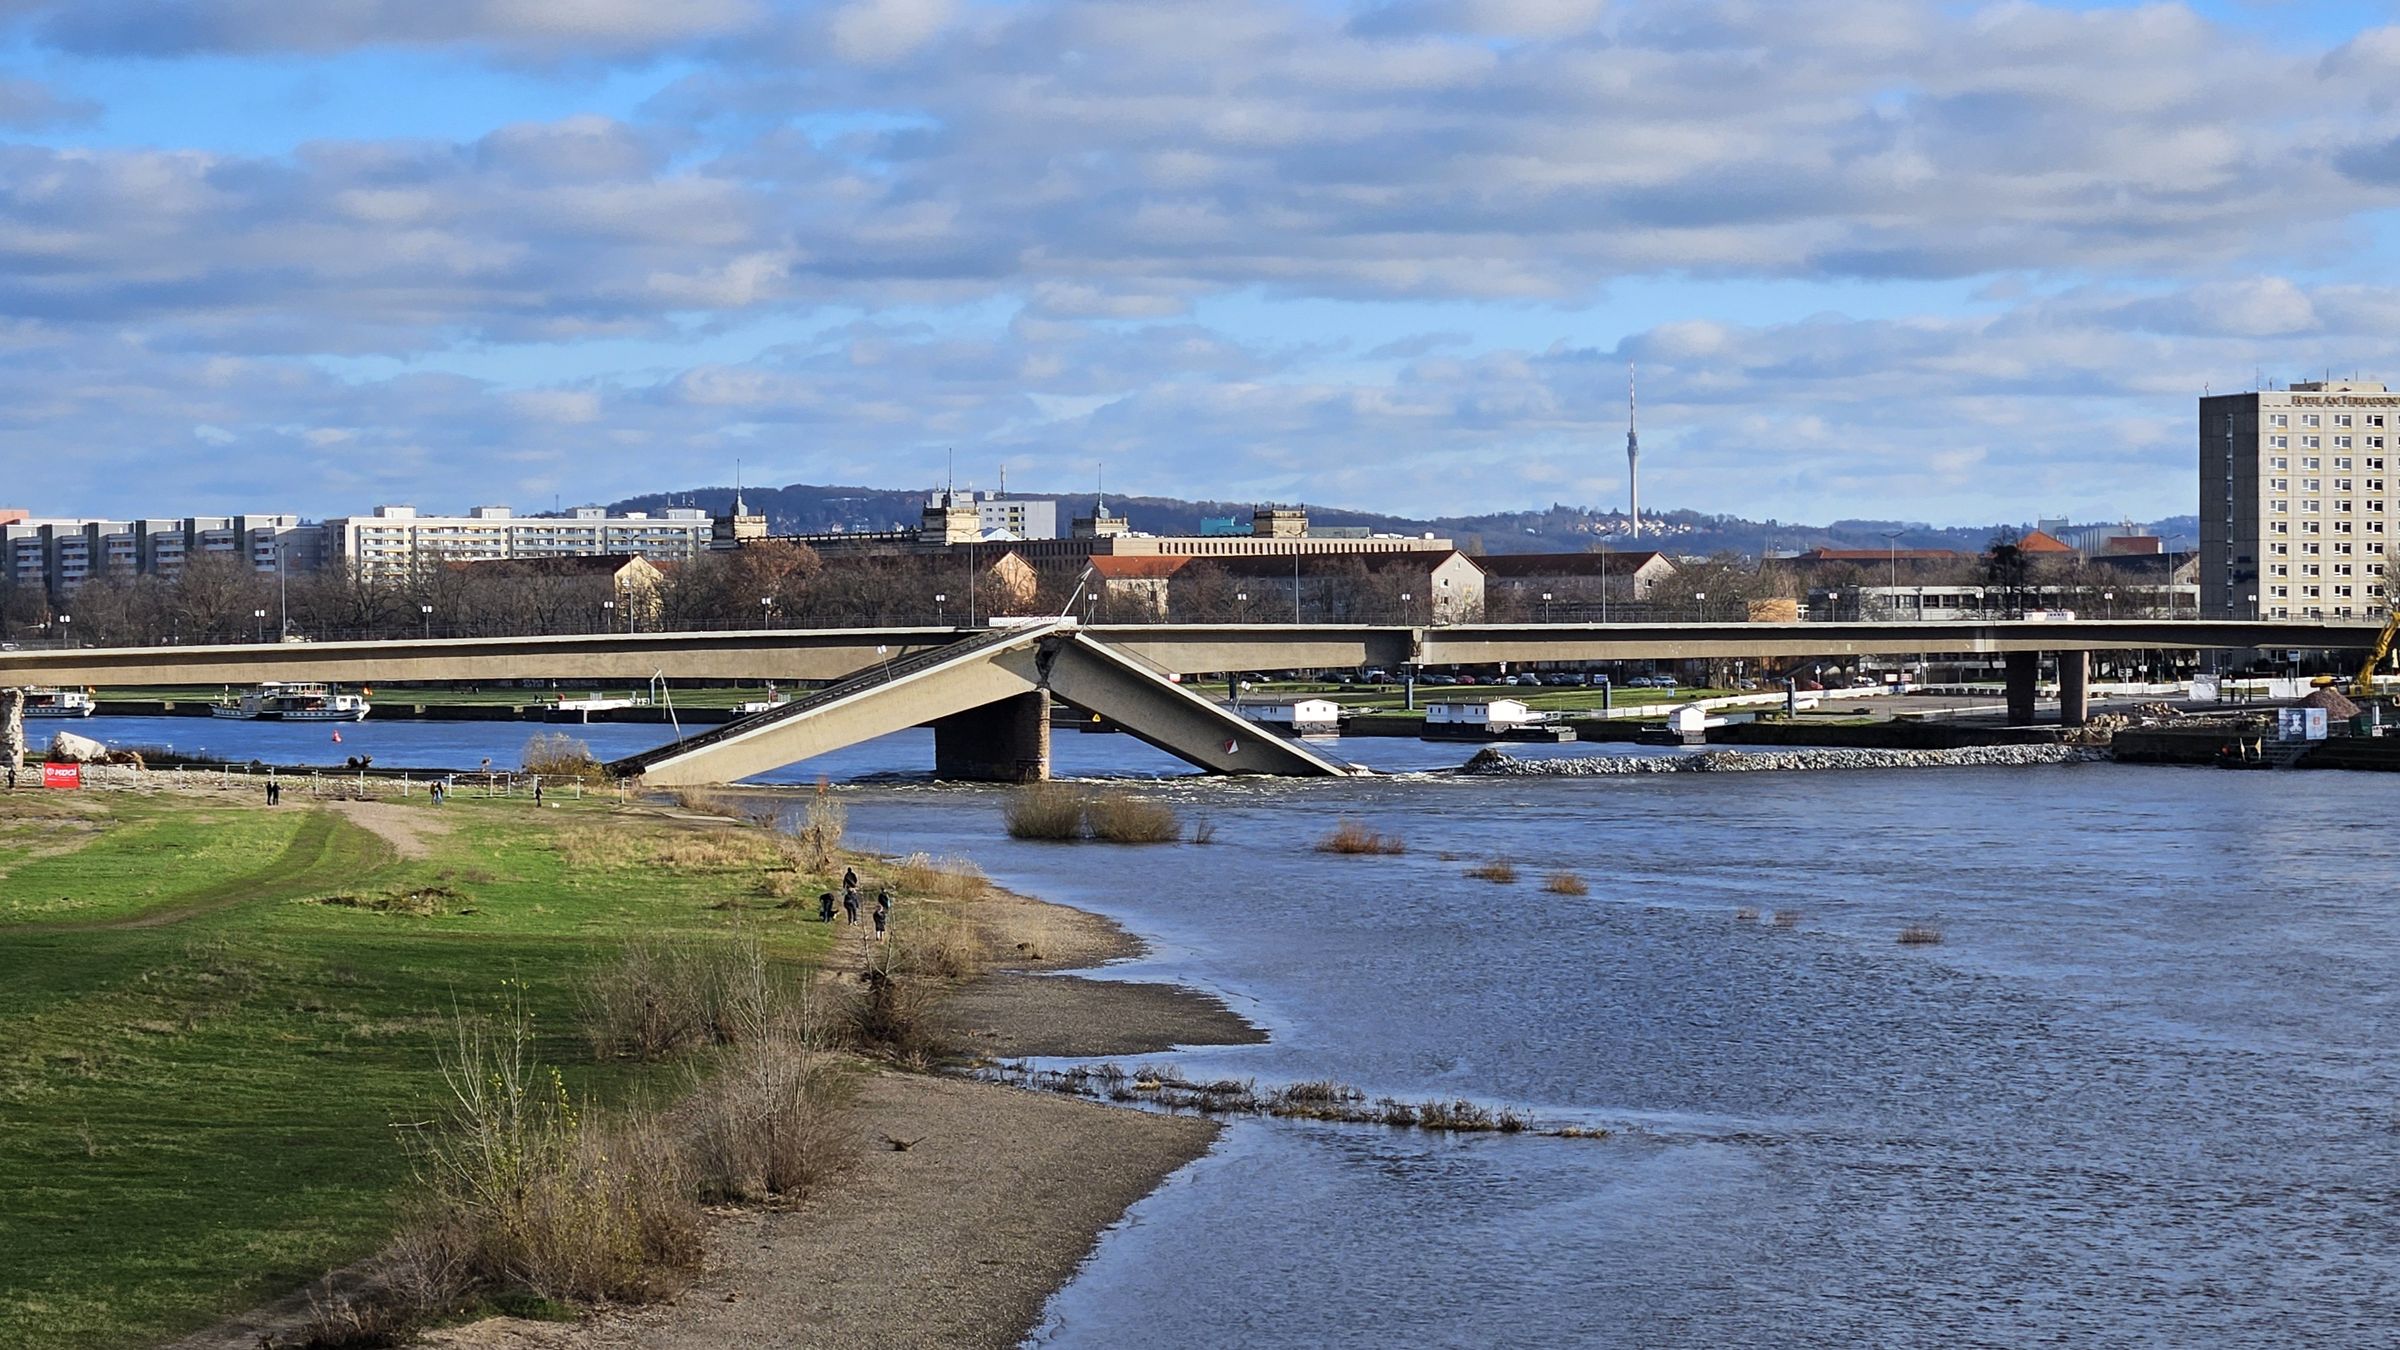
(828, 654)
(946, 691)
(1098, 678)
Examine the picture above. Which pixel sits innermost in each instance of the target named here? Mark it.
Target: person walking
(537, 792)
(825, 907)
(850, 903)
(883, 911)
(849, 878)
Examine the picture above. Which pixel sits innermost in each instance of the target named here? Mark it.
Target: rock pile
(1493, 763)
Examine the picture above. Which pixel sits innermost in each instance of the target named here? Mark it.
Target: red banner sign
(62, 775)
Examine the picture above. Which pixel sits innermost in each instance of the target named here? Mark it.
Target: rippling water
(2139, 1095)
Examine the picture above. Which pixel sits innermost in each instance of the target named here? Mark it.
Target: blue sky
(1952, 262)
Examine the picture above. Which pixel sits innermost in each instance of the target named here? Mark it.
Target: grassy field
(213, 1016)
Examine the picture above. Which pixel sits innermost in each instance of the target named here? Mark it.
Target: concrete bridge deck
(954, 679)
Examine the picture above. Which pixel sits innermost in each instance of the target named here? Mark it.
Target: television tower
(1633, 454)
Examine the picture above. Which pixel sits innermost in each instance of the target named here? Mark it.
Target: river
(2139, 1095)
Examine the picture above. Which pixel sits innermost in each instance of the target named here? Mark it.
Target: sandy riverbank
(959, 1239)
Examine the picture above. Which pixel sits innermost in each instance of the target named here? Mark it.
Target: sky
(1951, 262)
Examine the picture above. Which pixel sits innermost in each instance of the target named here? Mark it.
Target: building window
(2279, 569)
(2309, 420)
(2313, 485)
(2343, 570)
(2374, 419)
(2342, 549)
(2279, 527)
(2311, 570)
(2279, 592)
(2308, 462)
(2312, 592)
(2309, 506)
(2311, 442)
(2280, 462)
(2279, 506)
(2278, 420)
(2279, 550)
(2280, 442)
(2341, 484)
(2341, 419)
(2310, 550)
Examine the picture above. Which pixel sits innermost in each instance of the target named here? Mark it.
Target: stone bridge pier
(2074, 687)
(1003, 742)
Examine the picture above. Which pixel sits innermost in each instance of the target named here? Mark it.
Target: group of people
(274, 792)
(883, 902)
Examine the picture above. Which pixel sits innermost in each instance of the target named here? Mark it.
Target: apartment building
(58, 554)
(2295, 502)
(396, 539)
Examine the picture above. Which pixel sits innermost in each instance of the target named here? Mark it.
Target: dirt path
(409, 830)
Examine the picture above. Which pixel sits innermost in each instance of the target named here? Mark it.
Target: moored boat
(58, 703)
(287, 702)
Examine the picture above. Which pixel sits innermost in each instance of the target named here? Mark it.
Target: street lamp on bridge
(260, 617)
(426, 612)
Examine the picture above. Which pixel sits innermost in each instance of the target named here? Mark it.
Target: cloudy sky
(1942, 261)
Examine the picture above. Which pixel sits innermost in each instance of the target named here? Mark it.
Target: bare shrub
(1920, 935)
(1051, 811)
(1122, 818)
(1499, 871)
(1204, 831)
(945, 878)
(893, 1010)
(780, 885)
(536, 1198)
(706, 802)
(1352, 837)
(653, 1000)
(556, 755)
(821, 829)
(1565, 883)
(764, 1120)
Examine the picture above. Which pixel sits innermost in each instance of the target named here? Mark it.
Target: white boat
(58, 703)
(273, 702)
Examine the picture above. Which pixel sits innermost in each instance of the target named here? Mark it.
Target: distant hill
(809, 508)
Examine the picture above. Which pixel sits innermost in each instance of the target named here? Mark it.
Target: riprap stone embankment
(1495, 763)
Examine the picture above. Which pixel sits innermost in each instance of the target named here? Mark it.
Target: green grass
(201, 1064)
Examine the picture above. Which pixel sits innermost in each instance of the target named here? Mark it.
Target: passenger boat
(272, 702)
(58, 703)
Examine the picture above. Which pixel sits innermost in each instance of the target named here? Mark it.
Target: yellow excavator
(2363, 684)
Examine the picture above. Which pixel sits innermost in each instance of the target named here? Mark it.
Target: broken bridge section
(988, 701)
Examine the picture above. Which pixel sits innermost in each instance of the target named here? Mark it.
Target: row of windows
(2318, 442)
(2341, 463)
(2317, 569)
(2342, 548)
(2318, 485)
(2313, 505)
(2318, 527)
(2310, 419)
(2312, 593)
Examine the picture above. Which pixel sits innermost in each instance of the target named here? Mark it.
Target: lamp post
(283, 590)
(766, 610)
(1295, 588)
(2111, 598)
(1891, 546)
(260, 617)
(1407, 614)
(941, 611)
(1700, 598)
(426, 611)
(608, 616)
(1545, 607)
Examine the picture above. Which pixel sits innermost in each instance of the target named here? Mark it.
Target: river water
(2139, 1095)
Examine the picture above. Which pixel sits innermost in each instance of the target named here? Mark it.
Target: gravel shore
(1496, 764)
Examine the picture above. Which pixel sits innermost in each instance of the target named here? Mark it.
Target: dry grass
(934, 943)
(1920, 935)
(763, 1122)
(1352, 837)
(595, 848)
(559, 757)
(1565, 883)
(1499, 871)
(1122, 818)
(922, 874)
(1045, 811)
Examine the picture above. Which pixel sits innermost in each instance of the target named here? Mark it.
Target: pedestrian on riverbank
(883, 911)
(825, 907)
(537, 792)
(849, 878)
(850, 903)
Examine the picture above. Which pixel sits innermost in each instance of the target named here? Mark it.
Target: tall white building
(397, 539)
(2295, 504)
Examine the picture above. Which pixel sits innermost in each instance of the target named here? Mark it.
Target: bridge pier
(1003, 742)
(2074, 688)
(12, 729)
(2024, 672)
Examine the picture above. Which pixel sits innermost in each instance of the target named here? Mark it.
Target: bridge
(986, 692)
